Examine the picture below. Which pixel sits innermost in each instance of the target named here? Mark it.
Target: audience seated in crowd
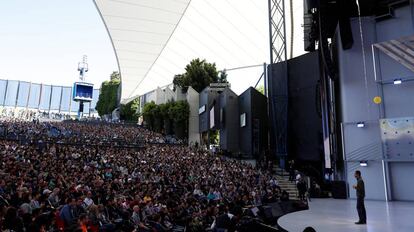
(67, 187)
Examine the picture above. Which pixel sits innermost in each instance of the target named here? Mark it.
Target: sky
(42, 41)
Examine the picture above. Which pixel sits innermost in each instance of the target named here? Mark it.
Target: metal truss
(278, 87)
(277, 31)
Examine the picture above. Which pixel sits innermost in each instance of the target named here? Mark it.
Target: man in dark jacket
(228, 221)
(66, 213)
(360, 193)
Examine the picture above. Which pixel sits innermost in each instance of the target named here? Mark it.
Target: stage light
(397, 82)
(363, 163)
(360, 124)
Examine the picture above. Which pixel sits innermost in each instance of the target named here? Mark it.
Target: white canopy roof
(139, 30)
(151, 47)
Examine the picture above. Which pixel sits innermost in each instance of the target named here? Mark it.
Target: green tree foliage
(148, 114)
(199, 74)
(129, 111)
(179, 112)
(115, 76)
(169, 118)
(222, 77)
(108, 96)
(260, 88)
(214, 136)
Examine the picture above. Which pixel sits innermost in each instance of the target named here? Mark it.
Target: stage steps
(289, 186)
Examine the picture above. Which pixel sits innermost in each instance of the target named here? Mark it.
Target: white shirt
(88, 202)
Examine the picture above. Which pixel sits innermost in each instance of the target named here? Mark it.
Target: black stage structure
(253, 134)
(304, 96)
(229, 121)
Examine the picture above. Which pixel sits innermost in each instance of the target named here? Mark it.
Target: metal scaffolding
(277, 31)
(277, 79)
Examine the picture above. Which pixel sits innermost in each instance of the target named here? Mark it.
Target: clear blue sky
(42, 41)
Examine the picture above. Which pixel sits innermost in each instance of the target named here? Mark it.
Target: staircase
(285, 184)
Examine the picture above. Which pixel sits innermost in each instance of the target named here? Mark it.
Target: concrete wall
(169, 95)
(159, 96)
(384, 177)
(179, 95)
(193, 122)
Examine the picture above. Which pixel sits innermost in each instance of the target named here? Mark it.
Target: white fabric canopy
(151, 47)
(139, 30)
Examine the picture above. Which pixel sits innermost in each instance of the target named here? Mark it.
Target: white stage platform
(327, 215)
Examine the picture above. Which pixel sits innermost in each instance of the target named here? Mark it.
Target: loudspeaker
(267, 212)
(339, 190)
(344, 8)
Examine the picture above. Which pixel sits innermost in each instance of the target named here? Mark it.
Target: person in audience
(309, 229)
(12, 221)
(228, 220)
(291, 167)
(66, 213)
(136, 219)
(302, 188)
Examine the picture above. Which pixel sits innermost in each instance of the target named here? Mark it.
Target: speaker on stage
(267, 211)
(339, 190)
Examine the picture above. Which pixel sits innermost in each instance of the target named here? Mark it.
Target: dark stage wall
(304, 123)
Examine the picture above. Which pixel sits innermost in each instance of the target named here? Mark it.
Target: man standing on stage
(360, 193)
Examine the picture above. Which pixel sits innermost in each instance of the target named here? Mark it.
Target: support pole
(28, 96)
(17, 94)
(5, 93)
(60, 101)
(40, 97)
(50, 99)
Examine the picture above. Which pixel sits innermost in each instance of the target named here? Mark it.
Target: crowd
(63, 187)
(79, 132)
(30, 114)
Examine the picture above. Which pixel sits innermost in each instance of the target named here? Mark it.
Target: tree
(223, 77)
(167, 120)
(214, 137)
(108, 95)
(260, 88)
(179, 111)
(129, 111)
(171, 117)
(199, 74)
(148, 114)
(115, 76)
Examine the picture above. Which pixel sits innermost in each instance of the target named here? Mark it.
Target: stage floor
(327, 215)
